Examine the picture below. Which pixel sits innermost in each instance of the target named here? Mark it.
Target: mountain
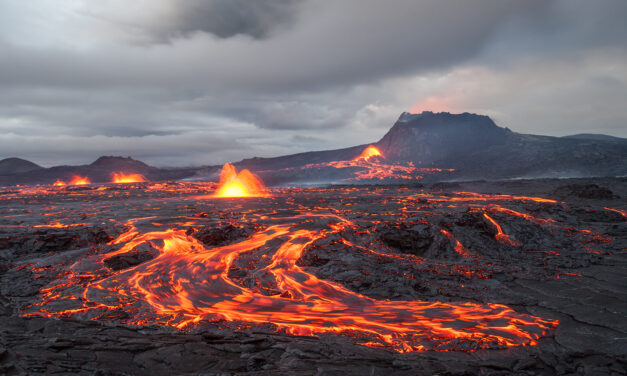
(595, 136)
(10, 166)
(440, 138)
(120, 163)
(479, 149)
(473, 145)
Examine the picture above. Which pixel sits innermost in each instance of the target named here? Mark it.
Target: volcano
(468, 147)
(436, 146)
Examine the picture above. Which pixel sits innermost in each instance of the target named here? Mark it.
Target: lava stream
(187, 283)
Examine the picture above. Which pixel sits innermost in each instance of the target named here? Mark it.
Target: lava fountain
(79, 180)
(369, 152)
(242, 184)
(59, 183)
(120, 177)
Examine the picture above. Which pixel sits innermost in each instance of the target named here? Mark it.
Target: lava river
(188, 284)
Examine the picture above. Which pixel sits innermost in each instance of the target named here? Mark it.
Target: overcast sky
(186, 82)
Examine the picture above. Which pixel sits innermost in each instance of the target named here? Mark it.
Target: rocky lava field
(519, 277)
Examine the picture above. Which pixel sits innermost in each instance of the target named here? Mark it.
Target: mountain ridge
(474, 146)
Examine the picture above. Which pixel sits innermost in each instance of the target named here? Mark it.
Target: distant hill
(594, 136)
(10, 166)
(100, 171)
(473, 145)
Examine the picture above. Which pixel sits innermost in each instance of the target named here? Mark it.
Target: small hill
(10, 166)
(126, 164)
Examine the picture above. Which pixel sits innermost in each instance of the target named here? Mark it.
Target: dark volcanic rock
(415, 240)
(136, 256)
(215, 237)
(591, 191)
(56, 239)
(594, 215)
(566, 270)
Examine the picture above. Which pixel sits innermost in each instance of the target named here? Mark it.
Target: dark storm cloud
(225, 18)
(274, 77)
(345, 43)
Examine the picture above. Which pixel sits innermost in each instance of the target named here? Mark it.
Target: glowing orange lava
(198, 288)
(242, 184)
(120, 177)
(257, 281)
(369, 152)
(79, 180)
(59, 183)
(500, 236)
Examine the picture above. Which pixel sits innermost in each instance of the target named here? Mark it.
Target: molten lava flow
(120, 177)
(369, 165)
(369, 152)
(242, 184)
(186, 284)
(59, 183)
(79, 180)
(500, 236)
(265, 280)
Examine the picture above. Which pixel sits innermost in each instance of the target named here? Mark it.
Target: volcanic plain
(521, 277)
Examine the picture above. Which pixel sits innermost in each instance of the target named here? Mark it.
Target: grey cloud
(227, 18)
(345, 43)
(194, 148)
(174, 19)
(277, 77)
(306, 139)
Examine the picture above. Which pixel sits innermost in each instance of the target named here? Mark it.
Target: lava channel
(186, 284)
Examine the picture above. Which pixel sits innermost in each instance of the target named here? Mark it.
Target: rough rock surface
(564, 261)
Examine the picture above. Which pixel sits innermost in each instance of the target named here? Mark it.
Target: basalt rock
(415, 240)
(590, 191)
(216, 237)
(134, 257)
